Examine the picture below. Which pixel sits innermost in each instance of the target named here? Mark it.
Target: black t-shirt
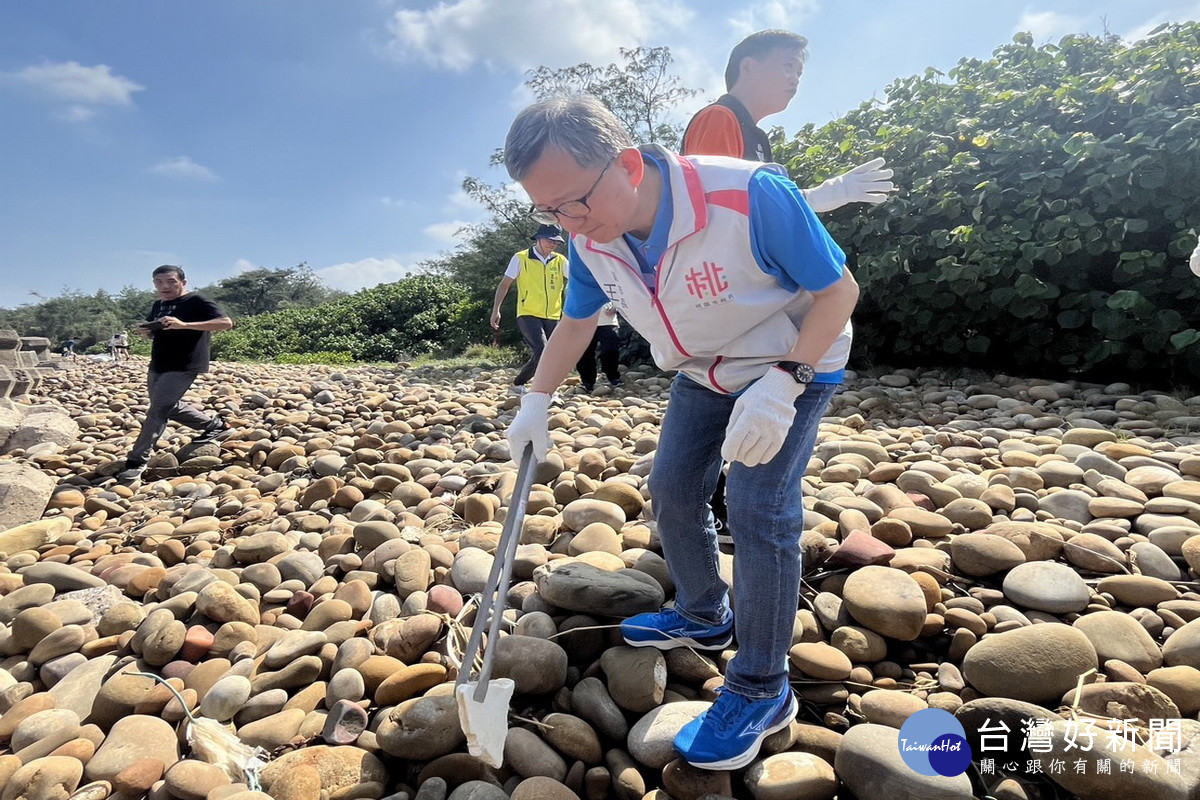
(182, 351)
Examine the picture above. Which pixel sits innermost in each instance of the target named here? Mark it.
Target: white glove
(866, 183)
(1194, 262)
(531, 426)
(761, 419)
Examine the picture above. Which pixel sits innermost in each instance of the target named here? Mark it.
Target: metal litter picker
(483, 702)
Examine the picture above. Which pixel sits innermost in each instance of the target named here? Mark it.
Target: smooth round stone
(1181, 684)
(346, 684)
(1151, 480)
(868, 758)
(820, 660)
(131, 739)
(48, 778)
(577, 586)
(1120, 636)
(542, 788)
(477, 790)
(529, 755)
(860, 645)
(470, 570)
(1151, 777)
(1183, 646)
(591, 701)
(578, 514)
(890, 707)
(536, 666)
(651, 739)
(792, 776)
(421, 730)
(409, 682)
(1137, 590)
(341, 770)
(40, 733)
(445, 599)
(573, 737)
(1094, 553)
(1130, 699)
(637, 677)
(980, 554)
(1046, 586)
(886, 601)
(193, 780)
(1154, 562)
(1035, 664)
(226, 697)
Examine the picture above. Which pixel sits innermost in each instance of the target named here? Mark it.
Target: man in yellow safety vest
(540, 275)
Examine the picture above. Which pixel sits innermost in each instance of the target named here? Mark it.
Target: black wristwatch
(800, 372)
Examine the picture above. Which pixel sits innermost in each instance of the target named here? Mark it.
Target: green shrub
(319, 357)
(1043, 223)
(389, 322)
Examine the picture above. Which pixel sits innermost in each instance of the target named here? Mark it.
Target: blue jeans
(765, 514)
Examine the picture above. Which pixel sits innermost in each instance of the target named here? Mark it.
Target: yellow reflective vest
(540, 285)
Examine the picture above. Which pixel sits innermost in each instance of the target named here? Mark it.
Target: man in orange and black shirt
(761, 78)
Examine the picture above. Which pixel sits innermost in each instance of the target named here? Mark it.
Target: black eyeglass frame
(551, 216)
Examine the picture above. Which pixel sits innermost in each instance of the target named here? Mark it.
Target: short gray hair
(580, 126)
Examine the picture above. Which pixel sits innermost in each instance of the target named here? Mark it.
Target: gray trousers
(535, 331)
(166, 403)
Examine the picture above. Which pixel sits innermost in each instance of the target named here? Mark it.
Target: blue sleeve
(584, 297)
(788, 241)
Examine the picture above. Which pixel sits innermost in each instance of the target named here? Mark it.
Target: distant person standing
(118, 346)
(540, 274)
(179, 325)
(608, 343)
(68, 349)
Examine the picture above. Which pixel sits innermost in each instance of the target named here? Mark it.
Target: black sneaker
(133, 470)
(218, 430)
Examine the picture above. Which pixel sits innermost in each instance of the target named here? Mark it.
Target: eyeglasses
(572, 209)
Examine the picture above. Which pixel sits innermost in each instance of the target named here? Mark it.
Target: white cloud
(243, 265)
(447, 232)
(785, 14)
(76, 114)
(75, 83)
(184, 167)
(456, 34)
(1049, 25)
(1142, 30)
(354, 275)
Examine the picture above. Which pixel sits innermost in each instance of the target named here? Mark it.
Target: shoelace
(725, 712)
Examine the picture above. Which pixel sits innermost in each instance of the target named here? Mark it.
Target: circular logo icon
(932, 742)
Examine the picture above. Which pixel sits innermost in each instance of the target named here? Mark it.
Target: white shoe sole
(739, 761)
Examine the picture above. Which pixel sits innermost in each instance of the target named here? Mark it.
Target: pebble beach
(999, 548)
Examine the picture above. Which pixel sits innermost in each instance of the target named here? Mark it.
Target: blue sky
(231, 134)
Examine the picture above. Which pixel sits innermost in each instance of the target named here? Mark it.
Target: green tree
(262, 290)
(641, 92)
(1045, 212)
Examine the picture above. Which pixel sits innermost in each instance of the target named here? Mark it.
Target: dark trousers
(609, 345)
(535, 331)
(166, 403)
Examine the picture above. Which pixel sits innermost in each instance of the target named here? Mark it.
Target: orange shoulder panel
(714, 131)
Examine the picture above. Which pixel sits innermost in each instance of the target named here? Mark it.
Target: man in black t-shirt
(179, 326)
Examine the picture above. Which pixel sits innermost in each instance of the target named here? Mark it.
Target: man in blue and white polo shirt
(724, 269)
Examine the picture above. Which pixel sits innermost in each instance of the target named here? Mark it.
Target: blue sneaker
(667, 630)
(729, 734)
